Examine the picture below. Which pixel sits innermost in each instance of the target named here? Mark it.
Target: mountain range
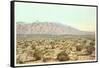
(50, 28)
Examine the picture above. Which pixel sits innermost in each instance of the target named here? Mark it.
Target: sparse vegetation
(57, 49)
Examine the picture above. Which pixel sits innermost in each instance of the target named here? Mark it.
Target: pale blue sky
(80, 17)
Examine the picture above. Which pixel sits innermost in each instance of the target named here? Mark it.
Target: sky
(79, 17)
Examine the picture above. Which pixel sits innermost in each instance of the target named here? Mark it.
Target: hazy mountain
(50, 28)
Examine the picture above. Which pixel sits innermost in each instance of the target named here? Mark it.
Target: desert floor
(54, 49)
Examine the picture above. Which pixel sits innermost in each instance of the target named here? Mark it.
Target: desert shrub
(63, 56)
(20, 62)
(33, 46)
(92, 43)
(79, 48)
(37, 54)
(84, 41)
(28, 43)
(90, 49)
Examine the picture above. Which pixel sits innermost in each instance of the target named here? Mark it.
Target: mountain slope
(51, 28)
